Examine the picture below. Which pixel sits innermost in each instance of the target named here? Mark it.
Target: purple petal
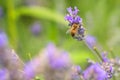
(3, 39)
(90, 41)
(72, 16)
(96, 71)
(29, 70)
(60, 62)
(36, 29)
(81, 31)
(69, 18)
(57, 60)
(69, 10)
(104, 56)
(3, 74)
(51, 49)
(75, 12)
(77, 19)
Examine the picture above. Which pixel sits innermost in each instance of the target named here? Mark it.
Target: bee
(76, 31)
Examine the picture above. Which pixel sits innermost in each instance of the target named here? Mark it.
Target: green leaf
(41, 13)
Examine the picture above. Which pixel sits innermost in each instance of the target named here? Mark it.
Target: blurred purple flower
(94, 72)
(57, 61)
(3, 39)
(4, 74)
(10, 60)
(29, 70)
(107, 66)
(75, 73)
(90, 41)
(36, 29)
(104, 57)
(78, 69)
(75, 77)
(48, 61)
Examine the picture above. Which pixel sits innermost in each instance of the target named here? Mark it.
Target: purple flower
(3, 39)
(36, 29)
(75, 22)
(10, 60)
(78, 69)
(75, 73)
(60, 62)
(107, 66)
(69, 10)
(77, 19)
(104, 57)
(29, 69)
(50, 60)
(57, 60)
(81, 31)
(95, 72)
(90, 41)
(3, 74)
(57, 63)
(75, 77)
(69, 18)
(72, 16)
(73, 12)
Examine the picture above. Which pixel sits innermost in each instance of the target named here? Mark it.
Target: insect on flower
(74, 29)
(75, 22)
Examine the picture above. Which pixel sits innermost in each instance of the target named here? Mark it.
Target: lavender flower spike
(90, 41)
(107, 65)
(30, 69)
(48, 61)
(75, 22)
(75, 73)
(10, 60)
(72, 17)
(104, 57)
(4, 74)
(57, 59)
(94, 72)
(58, 62)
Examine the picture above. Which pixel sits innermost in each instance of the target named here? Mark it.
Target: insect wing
(68, 31)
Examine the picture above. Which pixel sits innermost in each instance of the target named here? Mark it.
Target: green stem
(112, 53)
(99, 55)
(94, 50)
(113, 56)
(11, 20)
(114, 78)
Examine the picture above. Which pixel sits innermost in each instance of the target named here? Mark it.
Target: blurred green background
(18, 18)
